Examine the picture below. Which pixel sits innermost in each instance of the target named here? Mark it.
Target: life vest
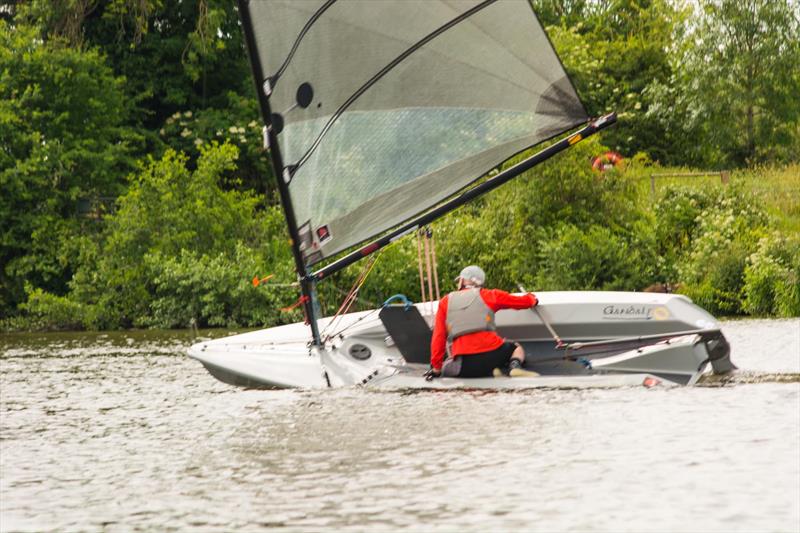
(468, 313)
(606, 161)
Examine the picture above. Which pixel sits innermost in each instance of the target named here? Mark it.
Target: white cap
(473, 274)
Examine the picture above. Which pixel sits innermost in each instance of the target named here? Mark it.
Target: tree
(61, 146)
(614, 50)
(733, 99)
(177, 236)
(176, 57)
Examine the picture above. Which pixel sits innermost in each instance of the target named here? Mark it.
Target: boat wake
(744, 377)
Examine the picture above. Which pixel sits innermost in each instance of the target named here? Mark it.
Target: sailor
(465, 331)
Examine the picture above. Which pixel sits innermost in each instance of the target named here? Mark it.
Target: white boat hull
(282, 357)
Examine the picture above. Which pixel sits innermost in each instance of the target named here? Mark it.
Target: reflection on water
(122, 431)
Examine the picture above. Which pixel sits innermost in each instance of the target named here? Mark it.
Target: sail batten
(384, 109)
(317, 14)
(396, 61)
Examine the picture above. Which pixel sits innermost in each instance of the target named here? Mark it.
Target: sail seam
(381, 73)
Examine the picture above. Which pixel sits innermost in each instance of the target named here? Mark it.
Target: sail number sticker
(323, 234)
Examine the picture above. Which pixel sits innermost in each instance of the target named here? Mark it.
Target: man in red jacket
(465, 331)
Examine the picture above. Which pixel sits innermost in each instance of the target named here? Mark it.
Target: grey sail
(384, 109)
(379, 115)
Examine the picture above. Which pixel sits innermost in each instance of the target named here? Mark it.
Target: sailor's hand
(431, 374)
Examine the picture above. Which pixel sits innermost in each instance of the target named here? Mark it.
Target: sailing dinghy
(380, 117)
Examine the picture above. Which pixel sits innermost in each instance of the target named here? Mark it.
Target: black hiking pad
(409, 331)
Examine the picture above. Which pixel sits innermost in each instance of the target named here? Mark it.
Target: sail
(383, 109)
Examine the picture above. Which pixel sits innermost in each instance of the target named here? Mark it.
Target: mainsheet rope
(428, 275)
(428, 268)
(351, 297)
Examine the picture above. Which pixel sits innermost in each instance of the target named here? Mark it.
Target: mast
(467, 196)
(263, 91)
(344, 201)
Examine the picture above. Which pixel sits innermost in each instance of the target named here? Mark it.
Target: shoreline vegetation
(136, 194)
(733, 248)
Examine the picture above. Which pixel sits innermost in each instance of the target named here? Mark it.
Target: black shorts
(480, 365)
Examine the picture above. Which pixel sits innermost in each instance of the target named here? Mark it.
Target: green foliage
(176, 55)
(236, 123)
(169, 208)
(506, 231)
(712, 267)
(45, 311)
(210, 290)
(66, 19)
(772, 277)
(677, 213)
(777, 188)
(613, 51)
(177, 228)
(87, 88)
(563, 191)
(732, 99)
(61, 111)
(594, 258)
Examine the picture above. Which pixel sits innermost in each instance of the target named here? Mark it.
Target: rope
(358, 298)
(435, 267)
(301, 300)
(419, 263)
(428, 270)
(351, 297)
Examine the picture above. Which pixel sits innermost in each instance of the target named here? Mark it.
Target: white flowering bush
(712, 268)
(772, 277)
(238, 124)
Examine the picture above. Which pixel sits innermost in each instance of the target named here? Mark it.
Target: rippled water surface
(124, 432)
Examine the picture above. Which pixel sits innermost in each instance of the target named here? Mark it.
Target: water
(123, 432)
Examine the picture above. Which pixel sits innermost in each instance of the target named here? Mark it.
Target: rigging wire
(358, 298)
(428, 273)
(351, 297)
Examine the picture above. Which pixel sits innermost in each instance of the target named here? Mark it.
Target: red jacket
(480, 341)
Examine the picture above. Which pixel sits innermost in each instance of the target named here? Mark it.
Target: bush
(565, 189)
(772, 278)
(504, 231)
(676, 214)
(211, 291)
(712, 269)
(45, 311)
(595, 258)
(181, 248)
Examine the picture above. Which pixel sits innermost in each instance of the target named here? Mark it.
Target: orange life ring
(606, 161)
